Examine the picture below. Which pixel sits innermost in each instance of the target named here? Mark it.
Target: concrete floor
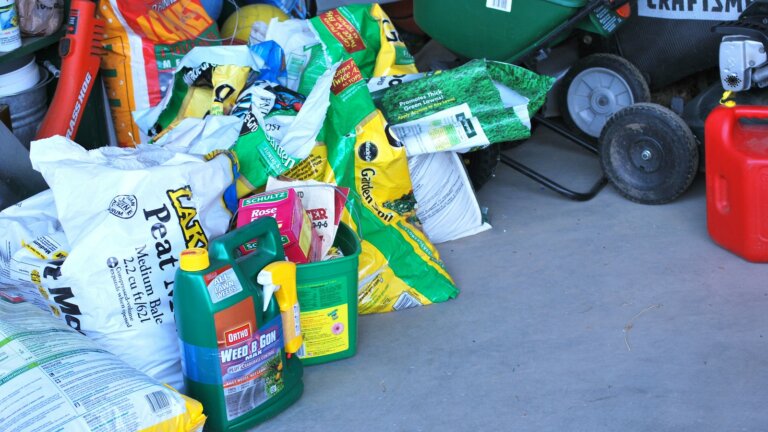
(597, 316)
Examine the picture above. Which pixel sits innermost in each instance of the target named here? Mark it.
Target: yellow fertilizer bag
(145, 40)
(52, 378)
(399, 268)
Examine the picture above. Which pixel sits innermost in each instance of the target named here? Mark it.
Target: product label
(249, 357)
(502, 5)
(9, 20)
(403, 56)
(714, 10)
(143, 281)
(46, 247)
(222, 284)
(343, 31)
(347, 74)
(324, 318)
(274, 197)
(325, 332)
(450, 128)
(607, 18)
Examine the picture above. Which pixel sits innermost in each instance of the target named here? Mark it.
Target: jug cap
(194, 259)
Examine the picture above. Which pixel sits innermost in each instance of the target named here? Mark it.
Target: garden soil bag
(145, 41)
(399, 268)
(54, 379)
(127, 215)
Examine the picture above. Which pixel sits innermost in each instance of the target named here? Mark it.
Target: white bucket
(23, 78)
(28, 106)
(10, 36)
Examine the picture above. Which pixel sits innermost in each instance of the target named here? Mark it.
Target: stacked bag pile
(334, 99)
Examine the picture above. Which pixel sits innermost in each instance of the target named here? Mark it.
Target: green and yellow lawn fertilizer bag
(365, 33)
(474, 105)
(362, 32)
(399, 268)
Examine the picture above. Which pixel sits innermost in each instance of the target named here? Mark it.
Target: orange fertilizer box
(300, 241)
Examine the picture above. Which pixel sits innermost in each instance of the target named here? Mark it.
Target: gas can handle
(749, 111)
(722, 121)
(263, 230)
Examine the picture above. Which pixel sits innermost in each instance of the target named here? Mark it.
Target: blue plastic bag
(272, 54)
(297, 8)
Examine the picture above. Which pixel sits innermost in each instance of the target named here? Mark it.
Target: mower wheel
(648, 153)
(481, 165)
(596, 87)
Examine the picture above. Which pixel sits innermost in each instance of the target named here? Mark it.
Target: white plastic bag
(22, 223)
(447, 207)
(128, 214)
(296, 38)
(30, 235)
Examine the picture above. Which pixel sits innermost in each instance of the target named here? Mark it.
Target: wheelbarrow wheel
(598, 86)
(648, 153)
(481, 165)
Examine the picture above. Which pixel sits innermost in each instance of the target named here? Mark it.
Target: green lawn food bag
(399, 267)
(448, 208)
(145, 41)
(479, 103)
(54, 379)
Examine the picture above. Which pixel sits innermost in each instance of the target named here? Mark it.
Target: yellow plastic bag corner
(191, 420)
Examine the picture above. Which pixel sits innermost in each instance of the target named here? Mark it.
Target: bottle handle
(264, 231)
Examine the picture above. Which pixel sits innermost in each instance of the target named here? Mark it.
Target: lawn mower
(650, 152)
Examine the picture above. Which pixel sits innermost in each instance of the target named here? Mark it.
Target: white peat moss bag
(54, 379)
(128, 214)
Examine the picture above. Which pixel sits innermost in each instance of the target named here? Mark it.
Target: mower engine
(743, 58)
(743, 63)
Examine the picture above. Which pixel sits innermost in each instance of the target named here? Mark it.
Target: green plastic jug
(327, 293)
(233, 354)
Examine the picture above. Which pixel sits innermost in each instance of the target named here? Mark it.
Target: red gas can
(737, 180)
